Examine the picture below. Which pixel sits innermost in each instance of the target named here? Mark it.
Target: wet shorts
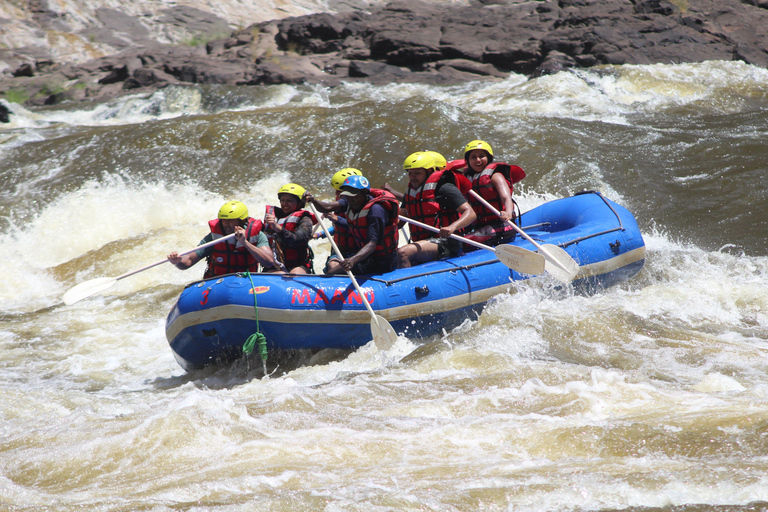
(447, 247)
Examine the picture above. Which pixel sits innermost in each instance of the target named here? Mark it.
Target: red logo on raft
(258, 289)
(305, 296)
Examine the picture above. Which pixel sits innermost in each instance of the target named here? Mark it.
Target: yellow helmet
(233, 210)
(420, 160)
(343, 174)
(440, 161)
(479, 144)
(293, 189)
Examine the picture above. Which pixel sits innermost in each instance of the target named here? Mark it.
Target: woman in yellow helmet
(245, 252)
(493, 181)
(289, 229)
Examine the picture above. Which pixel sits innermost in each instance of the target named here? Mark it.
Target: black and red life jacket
(343, 237)
(292, 257)
(481, 183)
(358, 224)
(421, 204)
(230, 256)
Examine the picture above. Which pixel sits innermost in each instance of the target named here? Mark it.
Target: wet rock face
(406, 41)
(5, 114)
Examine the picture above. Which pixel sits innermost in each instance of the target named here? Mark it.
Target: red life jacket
(229, 256)
(455, 165)
(481, 183)
(343, 237)
(293, 257)
(358, 223)
(422, 206)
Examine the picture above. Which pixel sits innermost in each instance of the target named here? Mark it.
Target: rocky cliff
(402, 41)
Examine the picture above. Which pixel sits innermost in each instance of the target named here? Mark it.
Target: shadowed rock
(5, 114)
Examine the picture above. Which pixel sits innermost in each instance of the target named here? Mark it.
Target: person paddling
(289, 229)
(245, 252)
(372, 218)
(434, 197)
(440, 164)
(493, 181)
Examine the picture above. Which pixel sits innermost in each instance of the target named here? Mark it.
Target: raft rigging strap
(605, 232)
(455, 268)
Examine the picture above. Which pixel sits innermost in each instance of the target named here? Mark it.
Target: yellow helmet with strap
(233, 210)
(293, 189)
(479, 144)
(343, 174)
(440, 161)
(420, 160)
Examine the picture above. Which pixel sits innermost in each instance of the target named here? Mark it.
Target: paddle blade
(559, 263)
(87, 288)
(384, 336)
(521, 260)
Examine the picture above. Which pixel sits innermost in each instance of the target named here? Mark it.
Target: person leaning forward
(246, 252)
(434, 197)
(372, 221)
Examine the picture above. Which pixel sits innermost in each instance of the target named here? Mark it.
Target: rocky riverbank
(402, 41)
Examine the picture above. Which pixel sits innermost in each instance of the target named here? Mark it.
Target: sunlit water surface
(649, 394)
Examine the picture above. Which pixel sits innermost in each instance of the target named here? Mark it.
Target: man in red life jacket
(246, 252)
(434, 197)
(289, 229)
(494, 182)
(371, 216)
(440, 164)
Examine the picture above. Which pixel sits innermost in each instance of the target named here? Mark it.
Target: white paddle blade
(521, 260)
(559, 263)
(87, 288)
(384, 336)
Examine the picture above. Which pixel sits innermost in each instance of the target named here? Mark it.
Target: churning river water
(650, 394)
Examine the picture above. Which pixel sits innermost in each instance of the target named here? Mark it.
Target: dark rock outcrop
(410, 41)
(5, 114)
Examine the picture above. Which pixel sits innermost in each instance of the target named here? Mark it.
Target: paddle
(516, 258)
(558, 264)
(384, 336)
(94, 286)
(315, 228)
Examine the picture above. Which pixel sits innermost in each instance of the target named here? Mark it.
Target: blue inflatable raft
(213, 318)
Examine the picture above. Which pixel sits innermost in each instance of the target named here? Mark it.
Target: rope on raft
(256, 338)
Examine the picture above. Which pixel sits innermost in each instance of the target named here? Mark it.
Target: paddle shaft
(338, 253)
(457, 237)
(88, 288)
(543, 250)
(142, 269)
